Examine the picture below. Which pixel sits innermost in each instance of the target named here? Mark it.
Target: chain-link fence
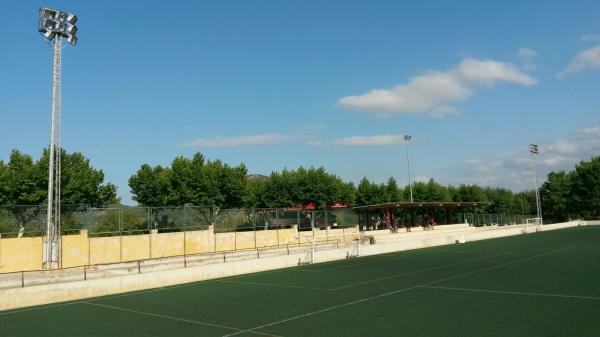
(21, 221)
(479, 220)
(29, 221)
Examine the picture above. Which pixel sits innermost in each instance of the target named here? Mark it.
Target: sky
(277, 84)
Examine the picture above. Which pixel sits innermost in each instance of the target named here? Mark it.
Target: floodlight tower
(533, 148)
(407, 139)
(54, 25)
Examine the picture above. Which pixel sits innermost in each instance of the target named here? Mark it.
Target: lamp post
(54, 25)
(407, 139)
(533, 148)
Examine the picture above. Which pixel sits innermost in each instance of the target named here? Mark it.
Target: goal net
(319, 246)
(533, 223)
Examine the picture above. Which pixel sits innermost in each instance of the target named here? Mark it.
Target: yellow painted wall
(288, 236)
(306, 236)
(135, 247)
(266, 238)
(20, 254)
(244, 240)
(225, 241)
(105, 250)
(75, 250)
(198, 242)
(166, 244)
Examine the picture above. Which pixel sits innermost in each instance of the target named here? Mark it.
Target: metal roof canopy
(423, 205)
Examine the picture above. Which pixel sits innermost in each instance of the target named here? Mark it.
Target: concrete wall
(25, 254)
(135, 247)
(75, 250)
(18, 254)
(49, 293)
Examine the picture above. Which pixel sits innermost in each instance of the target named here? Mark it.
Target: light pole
(407, 139)
(533, 148)
(54, 25)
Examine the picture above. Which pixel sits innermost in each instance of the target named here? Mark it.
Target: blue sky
(279, 84)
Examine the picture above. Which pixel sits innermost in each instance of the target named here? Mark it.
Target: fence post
(22, 279)
(254, 231)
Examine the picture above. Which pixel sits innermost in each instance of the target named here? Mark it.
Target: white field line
(365, 282)
(37, 308)
(387, 294)
(418, 271)
(274, 285)
(498, 266)
(514, 293)
(215, 325)
(106, 297)
(320, 311)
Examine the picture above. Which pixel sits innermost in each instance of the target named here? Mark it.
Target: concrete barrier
(237, 263)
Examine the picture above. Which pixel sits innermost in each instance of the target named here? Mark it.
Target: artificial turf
(543, 284)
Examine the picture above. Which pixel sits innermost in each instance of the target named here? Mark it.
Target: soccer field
(543, 284)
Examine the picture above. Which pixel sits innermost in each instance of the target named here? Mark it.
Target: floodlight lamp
(71, 18)
(47, 12)
(49, 25)
(61, 27)
(62, 16)
(49, 35)
(72, 40)
(71, 30)
(407, 138)
(533, 148)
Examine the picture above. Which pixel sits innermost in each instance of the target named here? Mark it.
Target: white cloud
(235, 141)
(433, 92)
(527, 57)
(590, 38)
(592, 130)
(526, 53)
(513, 169)
(378, 140)
(588, 59)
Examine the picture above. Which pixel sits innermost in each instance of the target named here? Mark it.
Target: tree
(151, 186)
(302, 187)
(555, 195)
(24, 185)
(190, 181)
(430, 191)
(502, 201)
(585, 189)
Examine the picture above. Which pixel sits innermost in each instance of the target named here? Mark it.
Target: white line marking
(274, 285)
(16, 311)
(320, 311)
(215, 325)
(389, 293)
(418, 271)
(514, 293)
(499, 266)
(107, 297)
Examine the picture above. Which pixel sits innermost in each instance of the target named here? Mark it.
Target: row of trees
(573, 194)
(198, 181)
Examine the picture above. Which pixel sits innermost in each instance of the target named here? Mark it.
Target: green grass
(545, 284)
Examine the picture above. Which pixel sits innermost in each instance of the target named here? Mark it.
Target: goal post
(347, 240)
(537, 222)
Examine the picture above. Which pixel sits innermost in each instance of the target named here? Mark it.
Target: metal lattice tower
(55, 25)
